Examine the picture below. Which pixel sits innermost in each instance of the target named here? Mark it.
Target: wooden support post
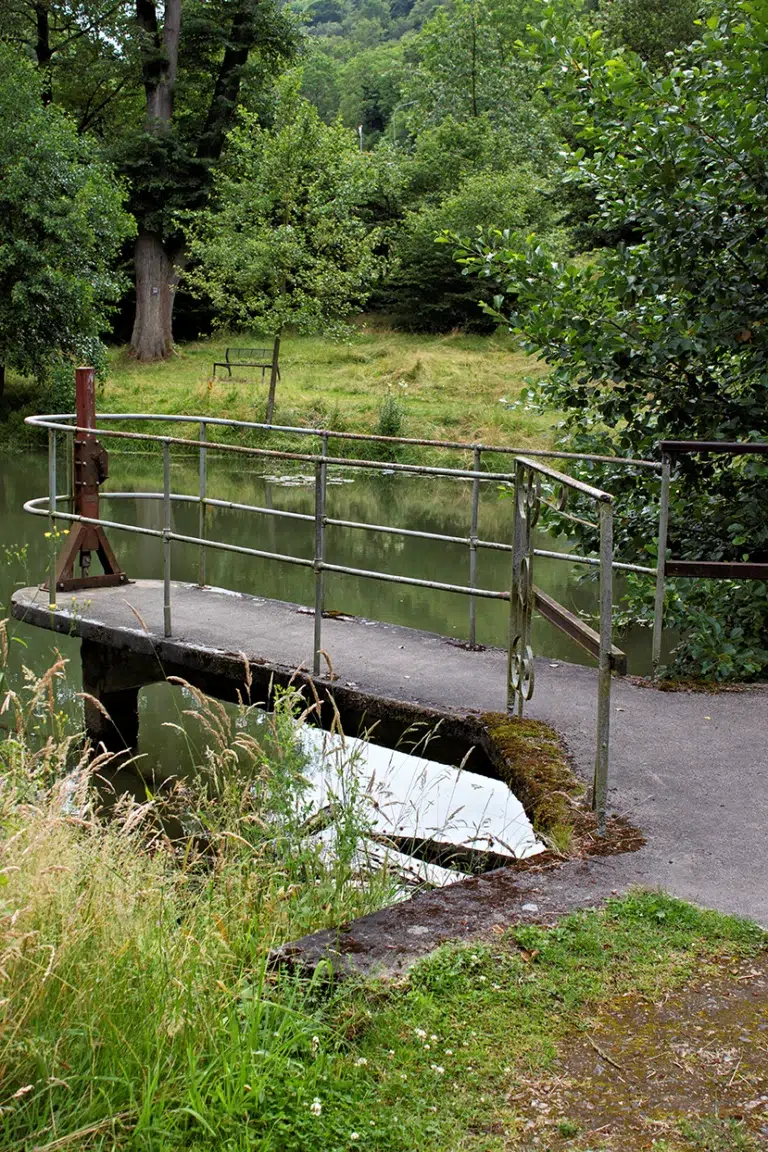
(273, 381)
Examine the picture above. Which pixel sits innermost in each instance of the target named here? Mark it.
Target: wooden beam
(575, 627)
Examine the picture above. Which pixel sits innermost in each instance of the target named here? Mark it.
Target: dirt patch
(691, 1070)
(688, 684)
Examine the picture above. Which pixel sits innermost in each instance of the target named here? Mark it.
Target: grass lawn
(445, 387)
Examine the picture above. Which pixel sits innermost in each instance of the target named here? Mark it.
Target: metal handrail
(459, 445)
(522, 596)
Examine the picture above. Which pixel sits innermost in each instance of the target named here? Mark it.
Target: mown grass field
(453, 387)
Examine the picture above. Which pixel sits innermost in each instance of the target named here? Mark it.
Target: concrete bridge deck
(690, 769)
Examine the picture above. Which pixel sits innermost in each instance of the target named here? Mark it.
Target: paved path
(690, 769)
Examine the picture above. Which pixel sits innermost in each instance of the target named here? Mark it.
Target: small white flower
(391, 1053)
(421, 1034)
(315, 1043)
(438, 1068)
(427, 1047)
(449, 1051)
(361, 1061)
(434, 1038)
(483, 979)
(316, 1106)
(354, 1135)
(403, 1075)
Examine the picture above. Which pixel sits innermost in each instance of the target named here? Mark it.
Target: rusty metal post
(600, 788)
(661, 559)
(166, 539)
(203, 506)
(90, 469)
(321, 475)
(473, 550)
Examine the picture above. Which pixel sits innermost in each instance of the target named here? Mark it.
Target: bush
(427, 291)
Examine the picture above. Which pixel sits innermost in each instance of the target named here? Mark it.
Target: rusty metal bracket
(91, 469)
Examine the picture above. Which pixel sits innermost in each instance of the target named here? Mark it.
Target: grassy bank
(137, 1010)
(441, 387)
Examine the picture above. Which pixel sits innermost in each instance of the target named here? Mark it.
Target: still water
(432, 505)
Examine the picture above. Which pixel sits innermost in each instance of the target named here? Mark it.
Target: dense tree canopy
(664, 334)
(61, 225)
(160, 85)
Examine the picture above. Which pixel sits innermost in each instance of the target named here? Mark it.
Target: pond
(428, 504)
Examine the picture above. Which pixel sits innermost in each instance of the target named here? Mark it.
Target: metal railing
(528, 475)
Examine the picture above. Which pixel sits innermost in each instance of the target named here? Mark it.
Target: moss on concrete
(531, 760)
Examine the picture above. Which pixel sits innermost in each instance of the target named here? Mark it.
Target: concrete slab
(690, 769)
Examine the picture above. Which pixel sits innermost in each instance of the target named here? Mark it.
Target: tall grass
(137, 1009)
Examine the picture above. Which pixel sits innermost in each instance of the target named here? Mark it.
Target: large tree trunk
(157, 270)
(157, 276)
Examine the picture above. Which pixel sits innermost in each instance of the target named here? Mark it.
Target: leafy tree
(466, 64)
(285, 242)
(61, 225)
(426, 288)
(664, 336)
(371, 88)
(169, 79)
(652, 28)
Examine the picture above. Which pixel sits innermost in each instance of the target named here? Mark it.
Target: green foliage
(723, 626)
(137, 1002)
(664, 335)
(61, 225)
(467, 63)
(652, 28)
(286, 243)
(391, 420)
(427, 289)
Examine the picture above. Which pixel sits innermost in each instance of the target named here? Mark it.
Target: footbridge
(671, 755)
(134, 632)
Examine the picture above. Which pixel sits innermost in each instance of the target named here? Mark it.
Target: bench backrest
(249, 354)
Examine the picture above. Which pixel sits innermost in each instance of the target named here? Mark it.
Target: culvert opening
(441, 795)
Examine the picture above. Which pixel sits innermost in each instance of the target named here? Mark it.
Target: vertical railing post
(203, 505)
(273, 380)
(166, 538)
(473, 549)
(53, 550)
(321, 472)
(658, 612)
(600, 789)
(520, 667)
(69, 471)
